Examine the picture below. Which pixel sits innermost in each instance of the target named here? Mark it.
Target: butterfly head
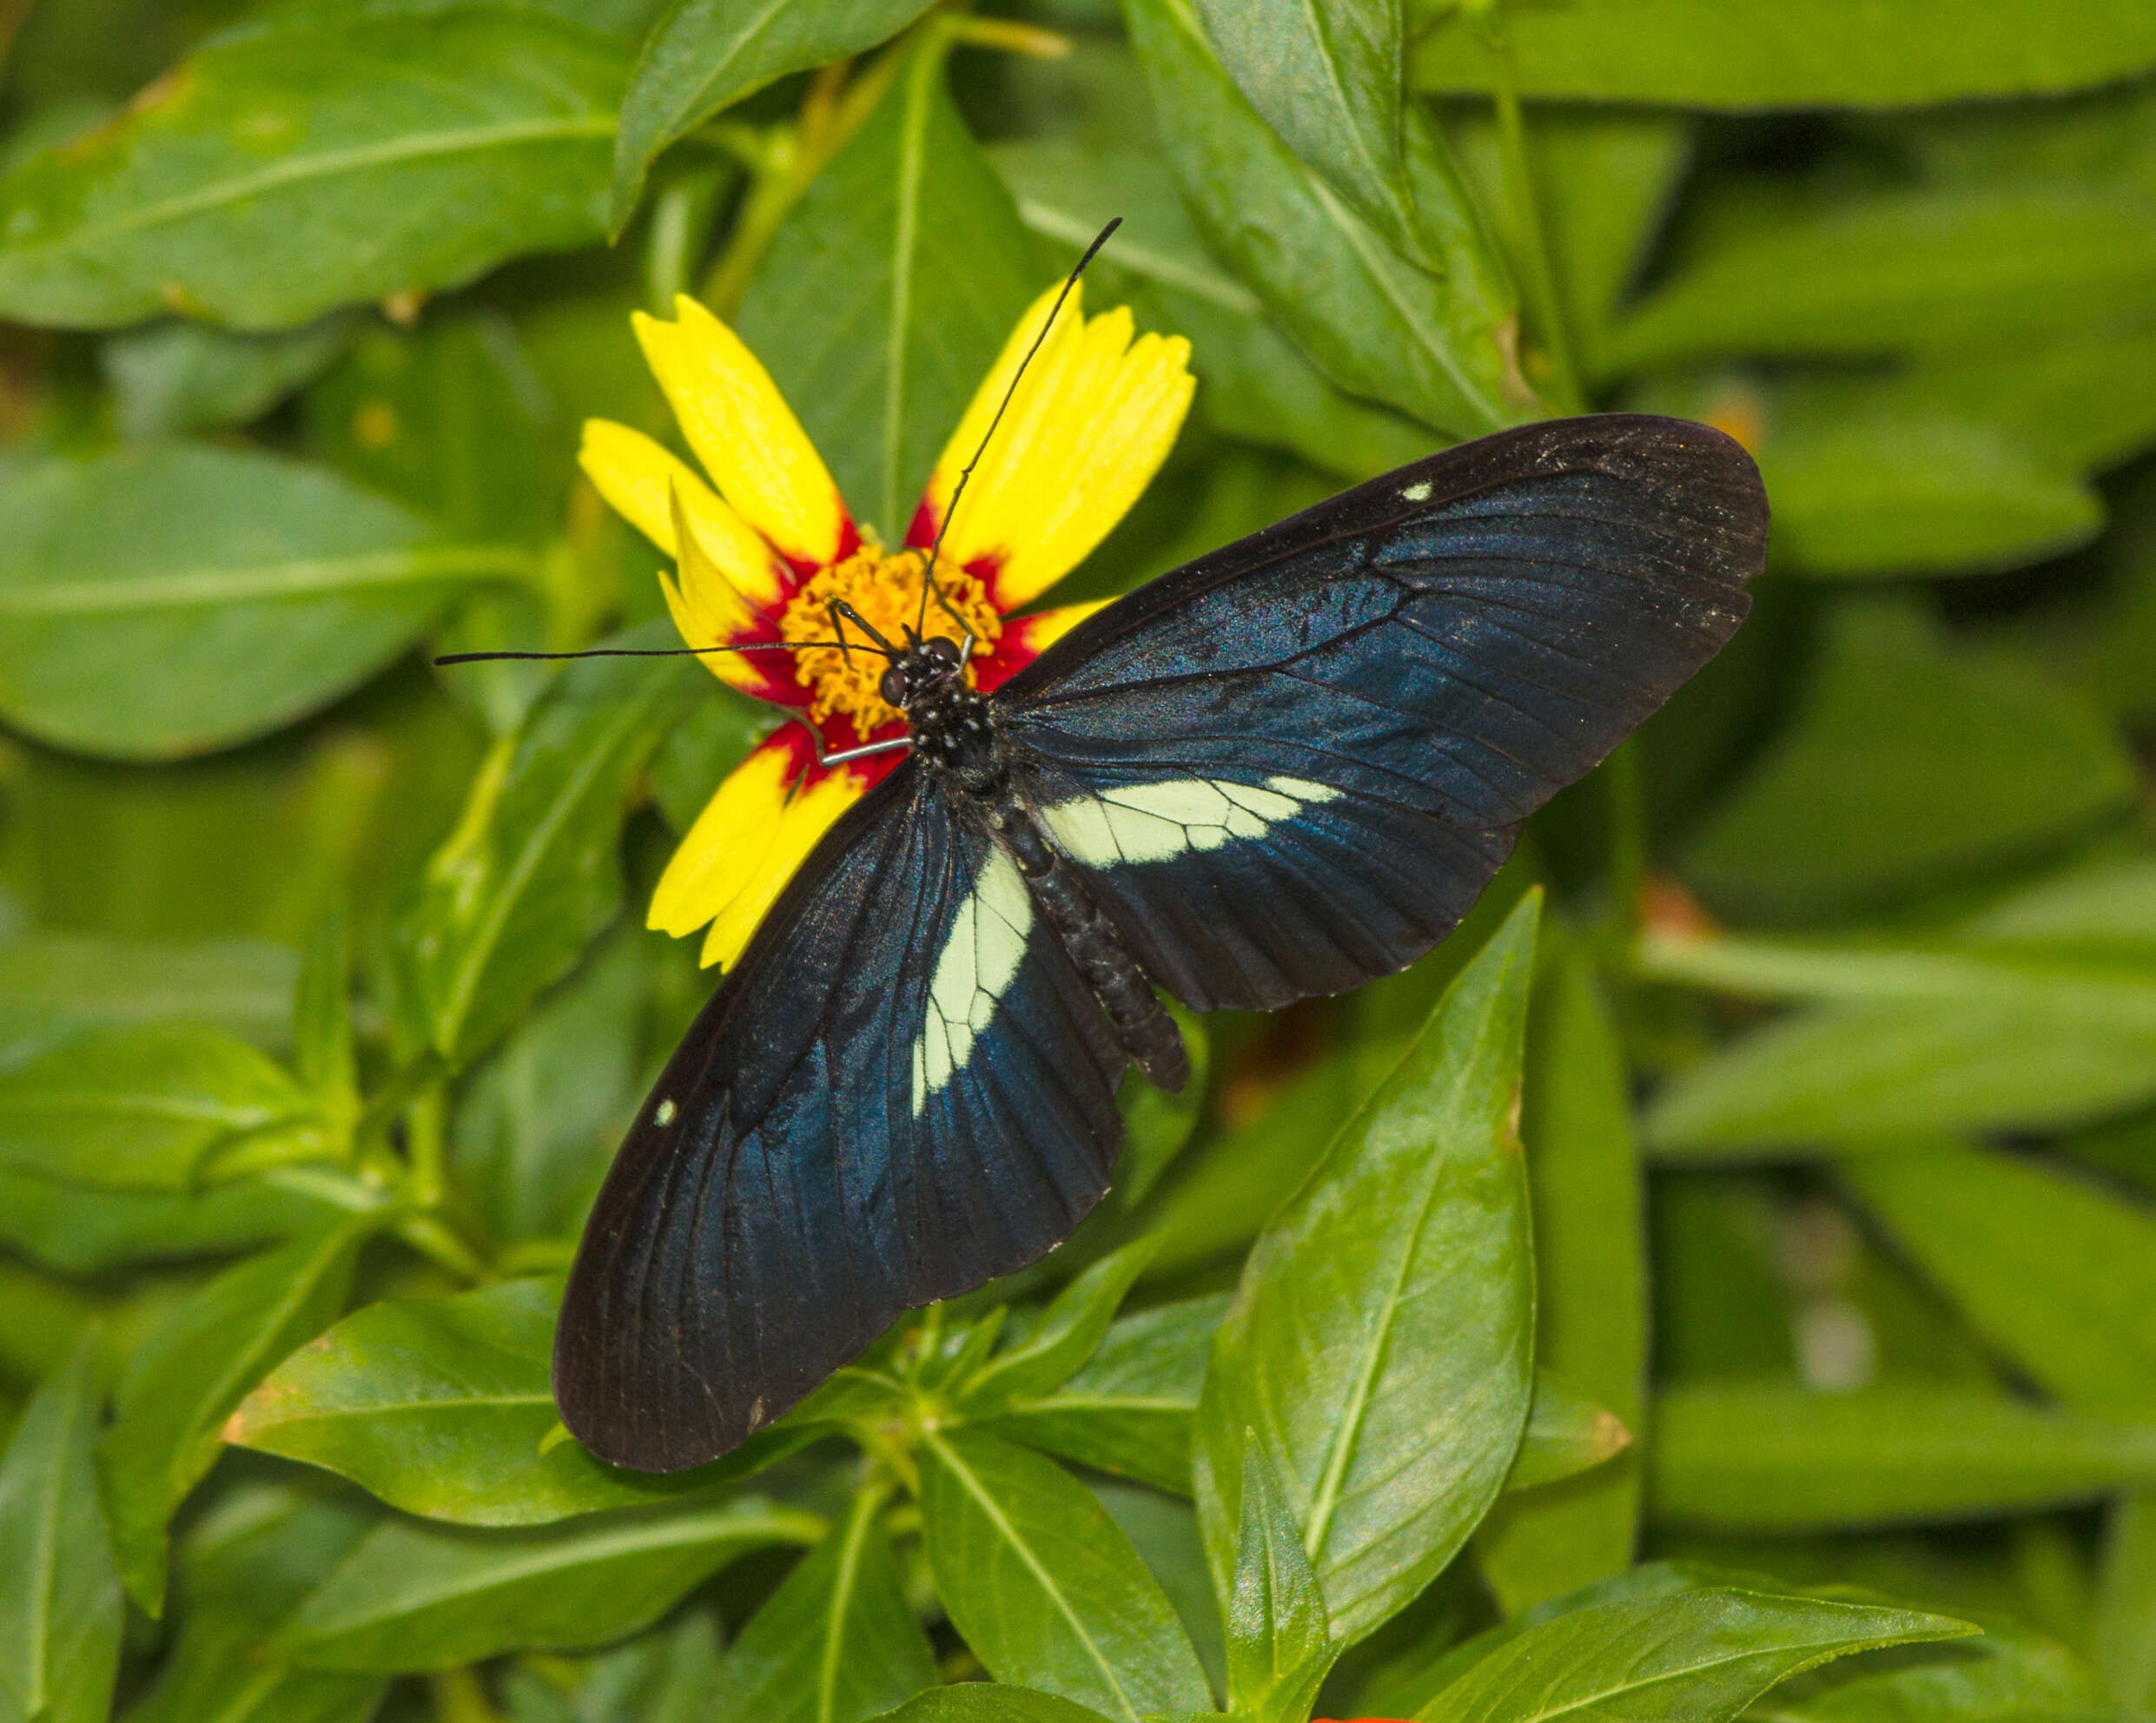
(922, 672)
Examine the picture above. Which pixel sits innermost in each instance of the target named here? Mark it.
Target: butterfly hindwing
(1291, 765)
(902, 1090)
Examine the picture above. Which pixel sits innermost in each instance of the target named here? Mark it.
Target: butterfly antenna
(882, 646)
(929, 585)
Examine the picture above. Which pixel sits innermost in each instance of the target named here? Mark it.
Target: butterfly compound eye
(893, 686)
(942, 651)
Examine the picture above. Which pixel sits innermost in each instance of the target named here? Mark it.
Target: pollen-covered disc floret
(885, 590)
(1073, 419)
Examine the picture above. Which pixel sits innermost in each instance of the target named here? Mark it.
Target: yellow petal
(709, 611)
(1088, 427)
(745, 434)
(821, 798)
(636, 476)
(728, 843)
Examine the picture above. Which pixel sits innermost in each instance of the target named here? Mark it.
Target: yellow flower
(763, 548)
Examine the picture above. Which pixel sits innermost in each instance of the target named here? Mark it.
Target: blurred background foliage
(323, 985)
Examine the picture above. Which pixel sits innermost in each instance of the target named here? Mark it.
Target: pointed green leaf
(1566, 1434)
(183, 1382)
(82, 1229)
(1773, 1455)
(856, 309)
(1069, 1333)
(990, 1702)
(175, 376)
(1044, 1587)
(1379, 1344)
(52, 985)
(837, 1641)
(2007, 1675)
(531, 872)
(703, 55)
(1372, 321)
(59, 1606)
(414, 1596)
(1280, 1647)
(1691, 1657)
(443, 1407)
(261, 589)
(286, 169)
(153, 1108)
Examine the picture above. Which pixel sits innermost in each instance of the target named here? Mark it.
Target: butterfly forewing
(1279, 770)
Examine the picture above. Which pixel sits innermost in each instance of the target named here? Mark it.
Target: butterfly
(1276, 772)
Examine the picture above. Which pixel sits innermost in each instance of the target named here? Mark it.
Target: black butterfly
(1278, 771)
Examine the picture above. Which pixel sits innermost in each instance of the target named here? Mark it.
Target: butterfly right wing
(902, 1090)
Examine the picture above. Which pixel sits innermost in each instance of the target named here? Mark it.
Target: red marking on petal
(848, 534)
(921, 533)
(1010, 655)
(837, 732)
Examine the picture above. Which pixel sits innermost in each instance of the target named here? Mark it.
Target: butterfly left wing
(902, 1090)
(1291, 765)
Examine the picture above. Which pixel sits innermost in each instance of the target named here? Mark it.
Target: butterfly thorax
(952, 725)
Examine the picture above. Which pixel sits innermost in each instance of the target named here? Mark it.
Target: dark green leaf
(181, 1384)
(704, 55)
(837, 1641)
(989, 1702)
(1372, 321)
(531, 874)
(174, 376)
(1067, 1334)
(1906, 760)
(59, 1606)
(1691, 1657)
(1810, 54)
(442, 1407)
(1907, 271)
(868, 331)
(52, 985)
(82, 1229)
(257, 588)
(1590, 1306)
(2055, 1273)
(1380, 1345)
(1044, 1588)
(1253, 383)
(1326, 77)
(287, 170)
(1775, 1456)
(1280, 1647)
(1129, 1410)
(417, 1596)
(153, 1108)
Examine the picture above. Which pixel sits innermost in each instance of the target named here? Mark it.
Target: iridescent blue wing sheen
(902, 1090)
(1291, 765)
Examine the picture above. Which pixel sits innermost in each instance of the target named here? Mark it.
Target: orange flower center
(886, 590)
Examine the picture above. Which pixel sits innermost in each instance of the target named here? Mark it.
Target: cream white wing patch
(981, 955)
(1153, 821)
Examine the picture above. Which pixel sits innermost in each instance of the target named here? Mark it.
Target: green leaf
(1326, 76)
(837, 1641)
(324, 1057)
(59, 1606)
(173, 376)
(1279, 1646)
(1806, 54)
(856, 310)
(181, 1382)
(1042, 1584)
(1070, 1332)
(1253, 383)
(2054, 1272)
(53, 985)
(705, 55)
(540, 1119)
(989, 1702)
(1567, 1434)
(1590, 1305)
(698, 753)
(1773, 1456)
(442, 1407)
(531, 873)
(81, 1229)
(2125, 1627)
(2008, 1673)
(1379, 1344)
(1689, 1657)
(1904, 271)
(283, 171)
(1129, 1410)
(415, 1596)
(259, 588)
(1372, 321)
(153, 1108)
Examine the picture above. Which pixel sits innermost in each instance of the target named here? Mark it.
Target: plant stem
(1538, 277)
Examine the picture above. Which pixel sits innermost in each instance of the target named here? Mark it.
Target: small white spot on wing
(663, 1115)
(1417, 492)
